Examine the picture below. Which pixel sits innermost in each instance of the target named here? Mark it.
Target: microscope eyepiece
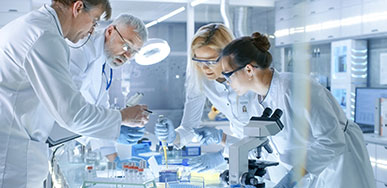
(277, 114)
(267, 112)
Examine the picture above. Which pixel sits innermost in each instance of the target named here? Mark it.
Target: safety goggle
(206, 62)
(227, 75)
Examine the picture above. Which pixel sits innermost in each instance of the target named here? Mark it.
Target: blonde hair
(215, 36)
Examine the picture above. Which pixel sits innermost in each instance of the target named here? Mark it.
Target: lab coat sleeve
(192, 115)
(326, 130)
(78, 66)
(47, 70)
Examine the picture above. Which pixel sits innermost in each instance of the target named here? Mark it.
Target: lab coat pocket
(37, 163)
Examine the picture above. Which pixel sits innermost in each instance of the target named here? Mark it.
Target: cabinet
(351, 20)
(377, 150)
(330, 26)
(381, 163)
(10, 10)
(328, 20)
(15, 6)
(380, 185)
(320, 6)
(374, 16)
(6, 17)
(281, 26)
(371, 148)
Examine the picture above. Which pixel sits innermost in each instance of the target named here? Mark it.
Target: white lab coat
(237, 109)
(86, 65)
(35, 90)
(334, 158)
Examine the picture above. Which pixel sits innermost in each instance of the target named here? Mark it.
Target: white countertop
(375, 139)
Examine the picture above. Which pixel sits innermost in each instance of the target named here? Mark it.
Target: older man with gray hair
(93, 65)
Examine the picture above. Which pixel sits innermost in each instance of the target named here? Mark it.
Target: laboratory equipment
(365, 106)
(153, 51)
(134, 174)
(135, 99)
(111, 169)
(190, 151)
(168, 175)
(241, 170)
(163, 142)
(90, 172)
(195, 182)
(185, 173)
(349, 62)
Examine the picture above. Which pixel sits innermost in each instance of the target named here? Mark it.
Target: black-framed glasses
(227, 75)
(127, 46)
(207, 62)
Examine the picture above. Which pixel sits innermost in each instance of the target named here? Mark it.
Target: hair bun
(261, 41)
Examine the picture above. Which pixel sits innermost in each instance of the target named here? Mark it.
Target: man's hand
(135, 116)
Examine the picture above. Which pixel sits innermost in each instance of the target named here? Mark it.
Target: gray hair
(129, 20)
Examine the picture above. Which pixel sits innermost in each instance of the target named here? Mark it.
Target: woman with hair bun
(205, 81)
(324, 148)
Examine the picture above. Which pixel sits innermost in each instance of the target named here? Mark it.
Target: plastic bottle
(90, 172)
(185, 175)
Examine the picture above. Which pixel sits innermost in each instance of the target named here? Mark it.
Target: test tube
(141, 168)
(135, 171)
(125, 169)
(111, 168)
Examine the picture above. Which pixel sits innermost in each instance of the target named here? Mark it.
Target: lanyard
(108, 82)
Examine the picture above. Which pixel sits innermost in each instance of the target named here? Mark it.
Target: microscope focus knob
(248, 179)
(224, 176)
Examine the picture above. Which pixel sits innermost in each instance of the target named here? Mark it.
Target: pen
(148, 111)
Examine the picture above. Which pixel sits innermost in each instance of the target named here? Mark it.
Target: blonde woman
(205, 81)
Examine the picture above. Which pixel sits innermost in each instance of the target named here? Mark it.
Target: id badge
(243, 108)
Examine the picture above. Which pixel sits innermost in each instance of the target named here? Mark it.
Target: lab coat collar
(100, 42)
(52, 14)
(272, 88)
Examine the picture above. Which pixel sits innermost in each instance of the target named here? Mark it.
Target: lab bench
(377, 150)
(67, 170)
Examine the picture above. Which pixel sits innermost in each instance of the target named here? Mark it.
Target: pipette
(163, 142)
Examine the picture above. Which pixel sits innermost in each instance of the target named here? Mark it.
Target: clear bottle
(90, 172)
(115, 104)
(111, 169)
(185, 174)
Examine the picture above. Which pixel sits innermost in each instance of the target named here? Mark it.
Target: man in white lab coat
(92, 67)
(36, 89)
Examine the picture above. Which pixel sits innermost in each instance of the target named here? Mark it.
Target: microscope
(243, 171)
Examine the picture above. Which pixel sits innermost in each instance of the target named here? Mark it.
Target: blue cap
(184, 162)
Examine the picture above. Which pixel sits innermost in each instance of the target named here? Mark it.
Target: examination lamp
(153, 51)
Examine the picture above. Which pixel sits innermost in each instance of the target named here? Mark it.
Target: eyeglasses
(95, 20)
(227, 75)
(207, 62)
(127, 46)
